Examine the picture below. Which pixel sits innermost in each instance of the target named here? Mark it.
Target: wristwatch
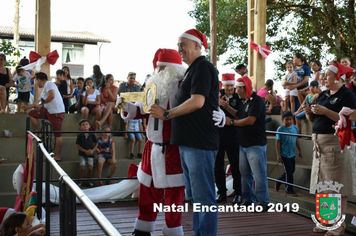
(166, 115)
(231, 122)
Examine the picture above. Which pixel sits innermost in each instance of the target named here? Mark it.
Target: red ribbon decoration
(51, 57)
(262, 49)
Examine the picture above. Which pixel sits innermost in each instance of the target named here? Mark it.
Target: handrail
(290, 134)
(97, 215)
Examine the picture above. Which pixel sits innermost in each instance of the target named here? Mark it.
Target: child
(134, 125)
(86, 144)
(285, 148)
(76, 94)
(24, 85)
(18, 224)
(290, 79)
(309, 100)
(90, 103)
(106, 150)
(62, 87)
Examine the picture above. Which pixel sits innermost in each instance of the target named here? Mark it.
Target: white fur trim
(333, 69)
(131, 110)
(176, 231)
(144, 178)
(140, 105)
(176, 180)
(191, 37)
(147, 226)
(160, 63)
(158, 165)
(240, 84)
(228, 82)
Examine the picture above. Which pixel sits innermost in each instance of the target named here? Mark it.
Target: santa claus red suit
(160, 172)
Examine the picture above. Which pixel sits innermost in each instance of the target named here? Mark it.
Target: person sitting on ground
(290, 79)
(316, 68)
(285, 149)
(91, 102)
(76, 93)
(134, 125)
(308, 101)
(24, 87)
(106, 152)
(87, 144)
(53, 109)
(267, 97)
(280, 101)
(108, 99)
(130, 85)
(18, 224)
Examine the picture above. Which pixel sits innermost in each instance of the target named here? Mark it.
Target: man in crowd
(130, 85)
(241, 70)
(228, 142)
(53, 109)
(253, 143)
(193, 128)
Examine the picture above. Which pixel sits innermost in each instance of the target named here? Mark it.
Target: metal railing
(68, 191)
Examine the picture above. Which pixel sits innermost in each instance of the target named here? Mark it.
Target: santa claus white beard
(166, 79)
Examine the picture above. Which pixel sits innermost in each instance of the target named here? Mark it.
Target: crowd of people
(193, 126)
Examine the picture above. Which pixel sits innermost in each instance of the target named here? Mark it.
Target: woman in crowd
(5, 83)
(97, 76)
(345, 61)
(91, 102)
(108, 99)
(329, 164)
(266, 92)
(68, 79)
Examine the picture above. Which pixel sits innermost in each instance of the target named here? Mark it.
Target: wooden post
(16, 27)
(257, 14)
(213, 45)
(43, 36)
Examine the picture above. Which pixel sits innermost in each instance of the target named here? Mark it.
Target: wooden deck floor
(122, 215)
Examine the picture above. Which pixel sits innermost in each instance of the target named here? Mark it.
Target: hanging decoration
(262, 49)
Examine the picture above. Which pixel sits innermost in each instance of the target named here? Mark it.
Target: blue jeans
(253, 166)
(198, 170)
(301, 115)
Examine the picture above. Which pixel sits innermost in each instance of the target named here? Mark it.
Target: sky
(136, 29)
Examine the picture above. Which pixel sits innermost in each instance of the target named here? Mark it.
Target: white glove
(343, 115)
(118, 101)
(219, 118)
(130, 109)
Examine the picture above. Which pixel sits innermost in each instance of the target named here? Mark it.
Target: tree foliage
(8, 49)
(316, 28)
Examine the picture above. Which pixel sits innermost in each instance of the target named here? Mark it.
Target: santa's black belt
(163, 145)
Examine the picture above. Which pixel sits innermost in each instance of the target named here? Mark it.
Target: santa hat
(4, 212)
(341, 71)
(245, 82)
(165, 57)
(228, 78)
(196, 36)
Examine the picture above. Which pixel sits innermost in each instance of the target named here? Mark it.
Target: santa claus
(160, 172)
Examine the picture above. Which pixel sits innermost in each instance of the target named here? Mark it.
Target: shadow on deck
(123, 214)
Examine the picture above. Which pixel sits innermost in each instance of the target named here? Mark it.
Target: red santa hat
(165, 57)
(196, 36)
(228, 78)
(341, 71)
(245, 82)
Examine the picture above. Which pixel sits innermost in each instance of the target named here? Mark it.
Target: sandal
(101, 183)
(336, 232)
(97, 125)
(110, 182)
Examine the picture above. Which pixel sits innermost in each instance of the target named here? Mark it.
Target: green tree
(8, 49)
(316, 28)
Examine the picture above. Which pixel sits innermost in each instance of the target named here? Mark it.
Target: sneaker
(139, 155)
(132, 156)
(291, 194)
(90, 185)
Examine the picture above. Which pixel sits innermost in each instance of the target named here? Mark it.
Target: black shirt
(344, 97)
(255, 134)
(197, 129)
(229, 131)
(86, 142)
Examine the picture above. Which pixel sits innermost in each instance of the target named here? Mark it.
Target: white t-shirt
(24, 81)
(56, 105)
(92, 97)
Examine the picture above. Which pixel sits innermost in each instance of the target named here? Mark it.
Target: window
(72, 54)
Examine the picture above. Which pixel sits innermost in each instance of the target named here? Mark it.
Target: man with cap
(193, 128)
(228, 142)
(241, 70)
(160, 173)
(253, 143)
(130, 85)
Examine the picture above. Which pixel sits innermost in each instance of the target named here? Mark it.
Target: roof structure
(26, 34)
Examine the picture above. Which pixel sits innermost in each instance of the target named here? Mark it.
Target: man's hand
(224, 102)
(318, 109)
(156, 111)
(279, 159)
(300, 155)
(126, 136)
